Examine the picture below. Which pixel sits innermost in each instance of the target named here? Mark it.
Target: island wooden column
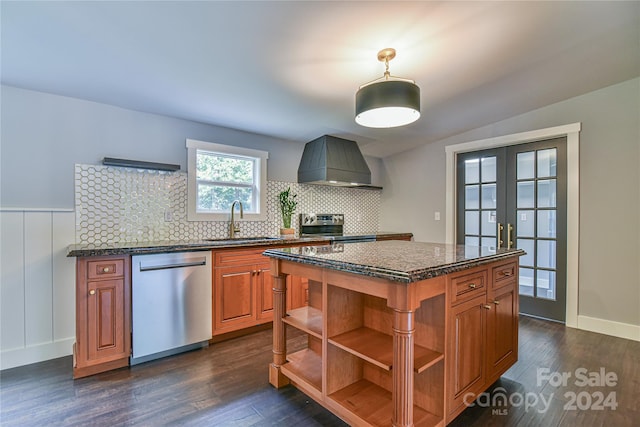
(402, 394)
(276, 378)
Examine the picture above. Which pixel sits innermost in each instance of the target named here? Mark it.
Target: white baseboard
(37, 353)
(609, 327)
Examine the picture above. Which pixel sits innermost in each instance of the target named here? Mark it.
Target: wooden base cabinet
(103, 315)
(502, 320)
(482, 331)
(243, 290)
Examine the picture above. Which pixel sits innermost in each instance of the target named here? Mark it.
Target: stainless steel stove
(312, 224)
(330, 225)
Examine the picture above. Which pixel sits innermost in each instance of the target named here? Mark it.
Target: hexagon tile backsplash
(116, 205)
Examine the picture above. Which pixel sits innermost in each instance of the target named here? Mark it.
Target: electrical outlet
(168, 215)
(436, 216)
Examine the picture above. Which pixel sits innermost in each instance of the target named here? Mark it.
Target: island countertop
(399, 261)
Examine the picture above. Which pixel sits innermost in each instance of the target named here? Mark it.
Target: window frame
(259, 180)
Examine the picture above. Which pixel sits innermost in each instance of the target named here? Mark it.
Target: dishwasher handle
(196, 263)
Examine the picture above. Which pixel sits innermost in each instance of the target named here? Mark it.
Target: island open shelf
(307, 319)
(304, 366)
(373, 405)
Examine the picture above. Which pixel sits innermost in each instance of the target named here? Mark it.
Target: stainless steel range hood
(330, 160)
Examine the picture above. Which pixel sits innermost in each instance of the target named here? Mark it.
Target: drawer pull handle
(496, 302)
(472, 285)
(105, 270)
(506, 273)
(487, 306)
(92, 292)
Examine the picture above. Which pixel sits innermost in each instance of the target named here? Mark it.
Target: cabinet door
(264, 284)
(106, 334)
(233, 298)
(502, 331)
(466, 351)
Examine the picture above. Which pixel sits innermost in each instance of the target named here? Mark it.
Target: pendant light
(388, 101)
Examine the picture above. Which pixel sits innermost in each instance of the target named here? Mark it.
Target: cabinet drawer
(504, 274)
(243, 257)
(464, 287)
(106, 268)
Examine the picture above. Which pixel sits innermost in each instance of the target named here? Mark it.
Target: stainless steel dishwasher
(171, 303)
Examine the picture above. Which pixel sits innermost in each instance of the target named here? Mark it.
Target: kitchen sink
(244, 239)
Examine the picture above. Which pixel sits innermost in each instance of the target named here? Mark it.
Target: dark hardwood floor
(227, 385)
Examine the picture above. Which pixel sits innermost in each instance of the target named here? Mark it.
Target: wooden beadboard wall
(37, 285)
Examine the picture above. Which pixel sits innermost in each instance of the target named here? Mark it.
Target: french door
(516, 197)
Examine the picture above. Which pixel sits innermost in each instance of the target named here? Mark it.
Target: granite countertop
(166, 246)
(399, 261)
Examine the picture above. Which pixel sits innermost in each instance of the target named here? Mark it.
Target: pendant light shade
(388, 104)
(389, 101)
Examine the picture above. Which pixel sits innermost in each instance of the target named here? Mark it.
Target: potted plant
(287, 206)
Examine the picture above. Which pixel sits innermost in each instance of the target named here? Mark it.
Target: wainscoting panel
(37, 285)
(64, 278)
(38, 278)
(12, 280)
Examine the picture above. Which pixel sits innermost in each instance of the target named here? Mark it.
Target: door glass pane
(471, 197)
(547, 163)
(525, 165)
(489, 223)
(489, 242)
(525, 194)
(546, 283)
(525, 226)
(489, 169)
(546, 193)
(472, 241)
(546, 254)
(526, 281)
(472, 251)
(547, 223)
(471, 171)
(472, 222)
(528, 246)
(488, 196)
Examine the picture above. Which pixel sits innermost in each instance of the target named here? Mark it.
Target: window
(219, 174)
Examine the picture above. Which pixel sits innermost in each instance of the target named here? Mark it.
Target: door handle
(509, 235)
(500, 228)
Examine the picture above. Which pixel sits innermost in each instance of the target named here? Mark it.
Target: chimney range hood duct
(330, 160)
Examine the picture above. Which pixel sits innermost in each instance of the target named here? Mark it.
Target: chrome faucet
(234, 227)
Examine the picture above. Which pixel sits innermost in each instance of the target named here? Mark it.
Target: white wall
(609, 272)
(44, 135)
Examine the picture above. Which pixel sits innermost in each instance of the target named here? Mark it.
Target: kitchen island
(398, 333)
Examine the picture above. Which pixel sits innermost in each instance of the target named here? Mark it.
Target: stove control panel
(321, 219)
(321, 224)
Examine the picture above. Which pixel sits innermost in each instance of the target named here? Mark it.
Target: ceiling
(291, 69)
